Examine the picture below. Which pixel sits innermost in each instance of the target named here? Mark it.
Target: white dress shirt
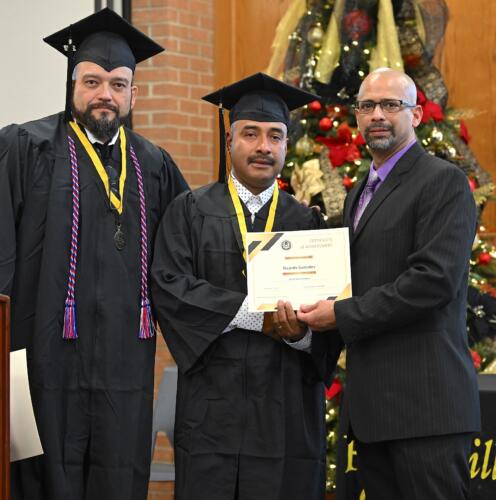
(254, 320)
(93, 139)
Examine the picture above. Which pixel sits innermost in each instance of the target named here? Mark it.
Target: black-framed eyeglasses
(387, 105)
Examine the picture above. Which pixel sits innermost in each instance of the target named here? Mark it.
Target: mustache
(379, 126)
(110, 107)
(256, 158)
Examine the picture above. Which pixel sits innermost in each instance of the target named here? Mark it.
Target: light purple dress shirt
(382, 173)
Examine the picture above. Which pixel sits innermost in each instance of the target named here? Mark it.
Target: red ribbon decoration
(335, 389)
(343, 147)
(430, 108)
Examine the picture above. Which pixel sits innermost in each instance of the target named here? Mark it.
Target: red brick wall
(170, 113)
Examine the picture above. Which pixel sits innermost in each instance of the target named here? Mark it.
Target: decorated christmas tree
(328, 47)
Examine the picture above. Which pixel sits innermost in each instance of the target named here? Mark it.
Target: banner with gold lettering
(482, 458)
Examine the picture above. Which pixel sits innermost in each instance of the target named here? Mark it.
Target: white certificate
(24, 438)
(301, 267)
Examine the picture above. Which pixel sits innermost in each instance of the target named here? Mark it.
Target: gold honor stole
(241, 215)
(117, 204)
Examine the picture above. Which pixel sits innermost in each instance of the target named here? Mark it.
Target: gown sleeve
(172, 181)
(192, 312)
(14, 153)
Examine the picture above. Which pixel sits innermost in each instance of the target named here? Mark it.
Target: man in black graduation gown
(250, 406)
(76, 231)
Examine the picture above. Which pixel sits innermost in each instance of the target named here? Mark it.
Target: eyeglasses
(387, 105)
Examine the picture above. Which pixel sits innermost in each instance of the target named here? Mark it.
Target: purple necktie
(366, 196)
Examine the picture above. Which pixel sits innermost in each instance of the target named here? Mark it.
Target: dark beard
(103, 129)
(383, 144)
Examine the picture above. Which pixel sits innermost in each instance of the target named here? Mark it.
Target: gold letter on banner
(351, 454)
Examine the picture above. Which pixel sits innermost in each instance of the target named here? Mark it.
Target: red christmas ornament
(472, 183)
(356, 24)
(484, 258)
(412, 60)
(315, 106)
(347, 182)
(325, 124)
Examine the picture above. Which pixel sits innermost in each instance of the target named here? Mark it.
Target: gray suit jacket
(409, 370)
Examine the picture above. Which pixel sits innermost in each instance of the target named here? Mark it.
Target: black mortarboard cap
(259, 98)
(104, 38)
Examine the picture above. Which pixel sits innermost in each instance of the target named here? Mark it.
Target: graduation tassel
(147, 327)
(69, 331)
(222, 145)
(147, 324)
(70, 50)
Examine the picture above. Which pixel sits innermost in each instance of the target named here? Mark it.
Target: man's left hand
(286, 324)
(319, 316)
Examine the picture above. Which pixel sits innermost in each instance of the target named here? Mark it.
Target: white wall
(32, 74)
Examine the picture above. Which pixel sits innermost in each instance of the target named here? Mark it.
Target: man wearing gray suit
(412, 392)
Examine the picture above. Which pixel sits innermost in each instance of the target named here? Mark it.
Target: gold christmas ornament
(437, 134)
(315, 35)
(304, 146)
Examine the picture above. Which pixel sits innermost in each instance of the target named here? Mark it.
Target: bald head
(391, 80)
(388, 123)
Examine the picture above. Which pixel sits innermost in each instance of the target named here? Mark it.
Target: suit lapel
(392, 181)
(390, 184)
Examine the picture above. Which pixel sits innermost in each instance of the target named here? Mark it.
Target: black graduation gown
(93, 397)
(250, 410)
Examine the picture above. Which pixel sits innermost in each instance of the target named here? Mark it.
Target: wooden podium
(5, 400)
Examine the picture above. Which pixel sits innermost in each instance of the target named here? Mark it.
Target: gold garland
(419, 21)
(334, 192)
(387, 52)
(329, 57)
(285, 27)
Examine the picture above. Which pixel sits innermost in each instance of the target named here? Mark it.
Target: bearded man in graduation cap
(80, 199)
(250, 402)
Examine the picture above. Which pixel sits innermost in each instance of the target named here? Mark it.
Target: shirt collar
(389, 164)
(93, 139)
(246, 195)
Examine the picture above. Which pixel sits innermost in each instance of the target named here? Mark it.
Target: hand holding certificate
(300, 267)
